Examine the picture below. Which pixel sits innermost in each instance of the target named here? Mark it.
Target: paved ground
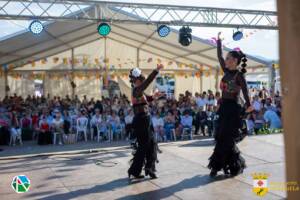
(102, 174)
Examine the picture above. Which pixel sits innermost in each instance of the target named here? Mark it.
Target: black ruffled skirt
(146, 153)
(226, 154)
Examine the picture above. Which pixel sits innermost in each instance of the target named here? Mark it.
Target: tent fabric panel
(50, 64)
(61, 87)
(89, 87)
(120, 54)
(2, 87)
(22, 87)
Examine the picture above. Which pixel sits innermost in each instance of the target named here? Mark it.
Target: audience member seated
(128, 125)
(67, 122)
(81, 125)
(210, 119)
(158, 126)
(15, 132)
(169, 125)
(115, 124)
(44, 136)
(186, 122)
(104, 126)
(95, 122)
(26, 126)
(200, 121)
(258, 121)
(57, 127)
(272, 119)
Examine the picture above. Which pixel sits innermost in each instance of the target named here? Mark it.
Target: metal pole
(217, 79)
(201, 81)
(271, 78)
(138, 57)
(72, 73)
(6, 81)
(289, 17)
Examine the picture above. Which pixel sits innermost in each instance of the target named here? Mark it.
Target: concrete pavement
(102, 174)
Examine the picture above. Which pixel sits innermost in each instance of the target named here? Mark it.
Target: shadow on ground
(200, 143)
(194, 182)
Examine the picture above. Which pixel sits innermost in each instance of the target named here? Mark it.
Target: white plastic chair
(173, 134)
(118, 132)
(158, 137)
(187, 132)
(81, 126)
(15, 134)
(98, 129)
(54, 137)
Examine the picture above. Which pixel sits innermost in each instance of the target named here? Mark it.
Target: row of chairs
(80, 126)
(186, 132)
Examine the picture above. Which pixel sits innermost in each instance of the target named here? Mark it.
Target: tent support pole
(138, 57)
(217, 79)
(201, 81)
(289, 29)
(72, 73)
(6, 82)
(272, 79)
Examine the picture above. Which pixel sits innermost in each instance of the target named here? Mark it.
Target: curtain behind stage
(22, 86)
(90, 87)
(2, 88)
(60, 87)
(182, 84)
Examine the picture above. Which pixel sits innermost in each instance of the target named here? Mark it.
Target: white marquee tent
(127, 45)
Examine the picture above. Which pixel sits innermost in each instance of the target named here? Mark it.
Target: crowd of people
(38, 118)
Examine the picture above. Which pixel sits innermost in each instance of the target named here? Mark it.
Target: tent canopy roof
(61, 36)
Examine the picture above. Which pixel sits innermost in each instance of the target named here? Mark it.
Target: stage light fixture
(237, 35)
(36, 27)
(185, 36)
(104, 29)
(163, 30)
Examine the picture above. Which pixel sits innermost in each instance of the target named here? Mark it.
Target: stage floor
(102, 174)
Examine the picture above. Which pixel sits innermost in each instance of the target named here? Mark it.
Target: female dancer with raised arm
(146, 150)
(226, 154)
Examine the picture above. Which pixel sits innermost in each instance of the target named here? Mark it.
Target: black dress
(226, 154)
(146, 150)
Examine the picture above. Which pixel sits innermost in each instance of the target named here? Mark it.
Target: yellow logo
(260, 184)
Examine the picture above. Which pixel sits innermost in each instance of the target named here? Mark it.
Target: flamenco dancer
(226, 154)
(146, 151)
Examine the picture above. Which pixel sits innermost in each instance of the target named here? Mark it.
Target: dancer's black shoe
(226, 172)
(213, 173)
(151, 174)
(135, 176)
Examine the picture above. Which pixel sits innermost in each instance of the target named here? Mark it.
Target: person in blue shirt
(186, 121)
(272, 119)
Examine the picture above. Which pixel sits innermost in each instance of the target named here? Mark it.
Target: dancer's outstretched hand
(249, 109)
(159, 66)
(158, 94)
(219, 36)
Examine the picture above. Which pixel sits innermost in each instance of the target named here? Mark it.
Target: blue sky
(262, 43)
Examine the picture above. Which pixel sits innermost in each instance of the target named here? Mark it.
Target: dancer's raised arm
(139, 90)
(220, 53)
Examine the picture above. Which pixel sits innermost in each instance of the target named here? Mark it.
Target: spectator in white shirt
(158, 125)
(128, 124)
(256, 104)
(186, 121)
(58, 125)
(211, 100)
(96, 121)
(115, 123)
(201, 101)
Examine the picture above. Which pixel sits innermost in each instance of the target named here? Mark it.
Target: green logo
(20, 184)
